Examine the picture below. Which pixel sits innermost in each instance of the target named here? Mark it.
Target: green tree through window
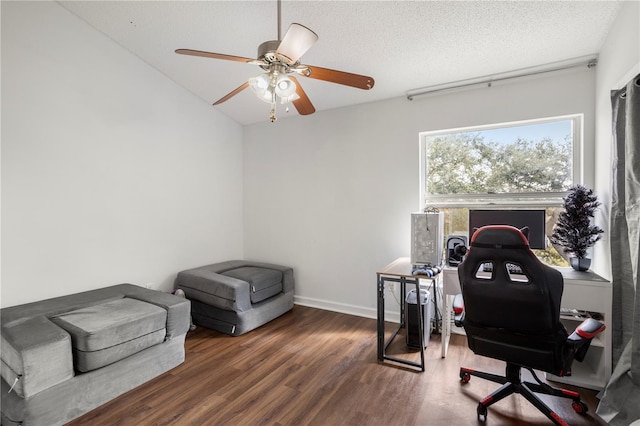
(515, 165)
(466, 163)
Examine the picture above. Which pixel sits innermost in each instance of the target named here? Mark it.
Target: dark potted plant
(574, 230)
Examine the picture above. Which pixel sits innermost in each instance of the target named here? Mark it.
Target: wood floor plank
(315, 367)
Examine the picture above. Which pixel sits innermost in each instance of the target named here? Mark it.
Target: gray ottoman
(237, 296)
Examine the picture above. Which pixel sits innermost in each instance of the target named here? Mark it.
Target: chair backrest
(511, 300)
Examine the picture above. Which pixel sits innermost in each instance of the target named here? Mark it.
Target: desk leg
(421, 324)
(419, 307)
(403, 297)
(382, 345)
(434, 297)
(446, 323)
(380, 318)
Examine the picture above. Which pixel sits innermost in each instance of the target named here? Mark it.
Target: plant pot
(580, 263)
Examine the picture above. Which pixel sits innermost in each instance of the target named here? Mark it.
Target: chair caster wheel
(482, 413)
(579, 407)
(465, 377)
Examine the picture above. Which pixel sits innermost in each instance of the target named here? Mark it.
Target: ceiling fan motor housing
(267, 51)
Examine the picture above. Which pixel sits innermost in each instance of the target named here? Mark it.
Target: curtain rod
(589, 61)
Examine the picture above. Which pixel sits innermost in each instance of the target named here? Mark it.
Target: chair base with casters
(511, 383)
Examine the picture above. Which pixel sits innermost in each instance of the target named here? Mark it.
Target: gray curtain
(620, 400)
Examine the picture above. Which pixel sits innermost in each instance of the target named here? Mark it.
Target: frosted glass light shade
(294, 96)
(261, 87)
(285, 87)
(296, 42)
(259, 84)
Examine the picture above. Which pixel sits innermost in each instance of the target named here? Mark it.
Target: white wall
(619, 55)
(331, 194)
(111, 173)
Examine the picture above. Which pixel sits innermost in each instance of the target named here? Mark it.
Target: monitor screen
(534, 219)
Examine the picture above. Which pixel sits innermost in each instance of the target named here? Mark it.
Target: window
(527, 164)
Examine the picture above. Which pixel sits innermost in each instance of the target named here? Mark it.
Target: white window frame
(546, 199)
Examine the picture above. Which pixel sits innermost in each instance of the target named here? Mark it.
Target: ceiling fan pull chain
(272, 113)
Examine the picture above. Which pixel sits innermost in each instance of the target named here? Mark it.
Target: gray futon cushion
(106, 333)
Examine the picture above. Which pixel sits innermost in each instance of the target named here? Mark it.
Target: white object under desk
(583, 291)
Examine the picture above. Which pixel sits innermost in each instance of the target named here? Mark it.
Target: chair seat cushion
(108, 332)
(264, 283)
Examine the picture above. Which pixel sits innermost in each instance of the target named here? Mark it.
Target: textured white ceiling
(403, 45)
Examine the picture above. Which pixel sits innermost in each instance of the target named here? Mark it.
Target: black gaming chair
(512, 313)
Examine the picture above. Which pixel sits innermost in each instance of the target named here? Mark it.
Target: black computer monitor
(533, 219)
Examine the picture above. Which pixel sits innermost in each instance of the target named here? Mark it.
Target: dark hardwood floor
(315, 367)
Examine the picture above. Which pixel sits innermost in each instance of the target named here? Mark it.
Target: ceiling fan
(279, 58)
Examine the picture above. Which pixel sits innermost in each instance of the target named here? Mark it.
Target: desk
(583, 291)
(399, 271)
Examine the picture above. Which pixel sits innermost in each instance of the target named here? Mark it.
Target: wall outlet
(391, 286)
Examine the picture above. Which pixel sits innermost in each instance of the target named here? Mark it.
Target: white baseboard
(344, 308)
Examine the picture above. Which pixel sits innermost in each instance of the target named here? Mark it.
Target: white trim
(628, 76)
(345, 308)
(520, 200)
(500, 125)
(578, 145)
(422, 157)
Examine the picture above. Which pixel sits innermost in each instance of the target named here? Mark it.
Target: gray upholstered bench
(237, 296)
(65, 356)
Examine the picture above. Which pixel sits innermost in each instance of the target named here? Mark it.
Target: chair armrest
(582, 336)
(588, 329)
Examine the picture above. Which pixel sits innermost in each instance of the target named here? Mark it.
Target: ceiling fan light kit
(270, 85)
(285, 87)
(282, 57)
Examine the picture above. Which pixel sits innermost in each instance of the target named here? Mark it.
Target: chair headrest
(500, 237)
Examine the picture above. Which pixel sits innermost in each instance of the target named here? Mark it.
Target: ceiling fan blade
(213, 55)
(295, 43)
(348, 79)
(233, 93)
(303, 104)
